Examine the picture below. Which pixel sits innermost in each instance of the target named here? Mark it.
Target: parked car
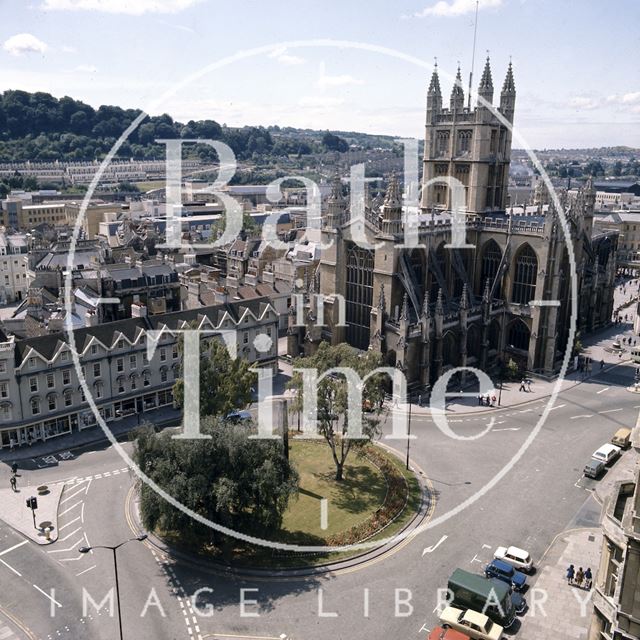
(238, 417)
(474, 624)
(440, 633)
(607, 453)
(517, 599)
(622, 438)
(593, 468)
(516, 557)
(505, 572)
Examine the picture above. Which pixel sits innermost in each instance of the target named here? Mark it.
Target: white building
(13, 267)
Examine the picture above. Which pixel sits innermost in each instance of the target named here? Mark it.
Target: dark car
(593, 468)
(519, 603)
(241, 416)
(506, 573)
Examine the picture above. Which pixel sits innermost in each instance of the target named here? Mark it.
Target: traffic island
(32, 511)
(376, 500)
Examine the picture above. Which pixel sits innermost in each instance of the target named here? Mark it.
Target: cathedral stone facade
(505, 295)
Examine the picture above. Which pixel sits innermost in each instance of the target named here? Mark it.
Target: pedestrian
(14, 468)
(12, 482)
(570, 574)
(522, 388)
(528, 385)
(588, 578)
(493, 401)
(601, 364)
(579, 577)
(480, 399)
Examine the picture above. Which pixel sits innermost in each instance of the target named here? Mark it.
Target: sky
(349, 65)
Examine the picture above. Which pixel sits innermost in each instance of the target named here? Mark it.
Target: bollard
(47, 533)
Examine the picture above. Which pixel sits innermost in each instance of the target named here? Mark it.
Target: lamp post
(140, 538)
(409, 434)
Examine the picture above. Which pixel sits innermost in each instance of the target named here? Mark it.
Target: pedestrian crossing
(6, 633)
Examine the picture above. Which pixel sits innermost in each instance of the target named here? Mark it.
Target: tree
(239, 483)
(333, 397)
(334, 143)
(225, 383)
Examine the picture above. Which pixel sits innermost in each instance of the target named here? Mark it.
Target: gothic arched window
(519, 335)
(491, 256)
(359, 290)
(526, 271)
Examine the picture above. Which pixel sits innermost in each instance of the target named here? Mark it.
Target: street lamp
(140, 538)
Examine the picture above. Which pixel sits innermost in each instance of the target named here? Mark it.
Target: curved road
(542, 495)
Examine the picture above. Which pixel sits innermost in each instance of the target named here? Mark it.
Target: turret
(457, 93)
(391, 210)
(485, 90)
(508, 95)
(336, 205)
(434, 96)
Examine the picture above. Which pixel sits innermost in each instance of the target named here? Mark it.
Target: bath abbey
(506, 293)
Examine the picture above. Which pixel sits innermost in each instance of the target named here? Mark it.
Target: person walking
(522, 388)
(14, 468)
(570, 574)
(12, 482)
(528, 385)
(601, 364)
(579, 577)
(588, 578)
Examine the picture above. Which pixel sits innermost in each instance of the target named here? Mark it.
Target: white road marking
(71, 548)
(525, 411)
(69, 535)
(584, 415)
(15, 546)
(603, 390)
(69, 509)
(558, 406)
(82, 513)
(73, 495)
(5, 633)
(44, 593)
(508, 429)
(433, 547)
(64, 526)
(86, 570)
(610, 411)
(10, 567)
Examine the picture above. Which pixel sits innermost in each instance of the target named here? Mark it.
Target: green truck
(493, 598)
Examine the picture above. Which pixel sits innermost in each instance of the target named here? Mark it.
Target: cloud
(86, 68)
(130, 7)
(325, 81)
(283, 57)
(320, 101)
(455, 8)
(584, 102)
(65, 48)
(23, 43)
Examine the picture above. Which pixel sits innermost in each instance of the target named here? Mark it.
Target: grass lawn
(361, 492)
(151, 184)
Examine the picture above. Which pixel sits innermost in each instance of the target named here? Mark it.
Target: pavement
(89, 437)
(18, 516)
(556, 609)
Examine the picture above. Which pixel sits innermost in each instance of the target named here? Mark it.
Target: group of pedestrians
(487, 401)
(579, 578)
(525, 385)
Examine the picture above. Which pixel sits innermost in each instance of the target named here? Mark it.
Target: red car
(440, 633)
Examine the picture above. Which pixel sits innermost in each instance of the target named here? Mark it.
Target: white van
(607, 453)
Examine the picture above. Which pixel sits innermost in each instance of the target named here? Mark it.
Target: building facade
(14, 265)
(41, 396)
(616, 602)
(434, 306)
